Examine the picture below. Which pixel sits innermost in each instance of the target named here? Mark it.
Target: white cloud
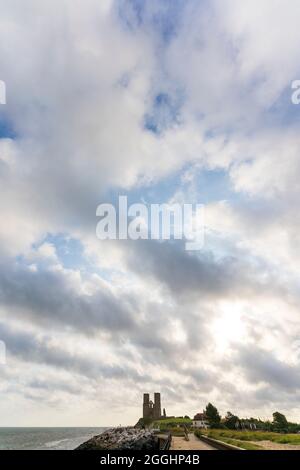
(79, 84)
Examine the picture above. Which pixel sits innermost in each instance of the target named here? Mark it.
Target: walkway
(179, 443)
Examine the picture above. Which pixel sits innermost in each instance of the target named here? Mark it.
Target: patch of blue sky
(164, 112)
(6, 127)
(70, 253)
(213, 185)
(209, 186)
(69, 250)
(157, 192)
(167, 21)
(283, 112)
(163, 18)
(131, 13)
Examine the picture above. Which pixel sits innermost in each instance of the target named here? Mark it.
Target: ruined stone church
(152, 409)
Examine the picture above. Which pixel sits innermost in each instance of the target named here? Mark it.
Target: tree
(280, 423)
(267, 426)
(231, 421)
(212, 416)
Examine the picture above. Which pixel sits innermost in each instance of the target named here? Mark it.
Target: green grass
(253, 436)
(242, 444)
(174, 431)
(172, 422)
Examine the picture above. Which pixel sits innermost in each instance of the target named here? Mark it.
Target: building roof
(200, 417)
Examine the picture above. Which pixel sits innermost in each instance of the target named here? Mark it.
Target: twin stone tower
(152, 410)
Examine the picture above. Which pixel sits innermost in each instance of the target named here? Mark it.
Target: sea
(45, 438)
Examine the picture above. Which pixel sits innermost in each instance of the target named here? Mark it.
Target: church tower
(157, 406)
(146, 406)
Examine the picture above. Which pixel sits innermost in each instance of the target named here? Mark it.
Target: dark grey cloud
(178, 269)
(260, 365)
(48, 297)
(201, 274)
(31, 349)
(49, 385)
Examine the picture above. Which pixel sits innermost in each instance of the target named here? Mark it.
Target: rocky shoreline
(127, 438)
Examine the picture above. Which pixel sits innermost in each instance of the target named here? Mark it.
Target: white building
(200, 421)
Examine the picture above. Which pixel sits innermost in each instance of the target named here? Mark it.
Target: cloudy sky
(161, 100)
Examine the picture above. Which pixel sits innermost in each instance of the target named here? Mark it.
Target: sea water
(45, 438)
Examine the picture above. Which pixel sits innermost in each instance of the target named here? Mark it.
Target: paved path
(179, 443)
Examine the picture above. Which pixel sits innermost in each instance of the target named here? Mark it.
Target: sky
(161, 101)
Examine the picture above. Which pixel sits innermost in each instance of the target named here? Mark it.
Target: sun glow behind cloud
(228, 328)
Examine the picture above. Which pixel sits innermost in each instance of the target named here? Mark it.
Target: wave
(57, 443)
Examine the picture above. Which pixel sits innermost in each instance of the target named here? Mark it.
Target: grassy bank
(173, 425)
(244, 436)
(228, 440)
(172, 422)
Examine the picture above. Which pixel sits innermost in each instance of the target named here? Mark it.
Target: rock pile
(128, 438)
